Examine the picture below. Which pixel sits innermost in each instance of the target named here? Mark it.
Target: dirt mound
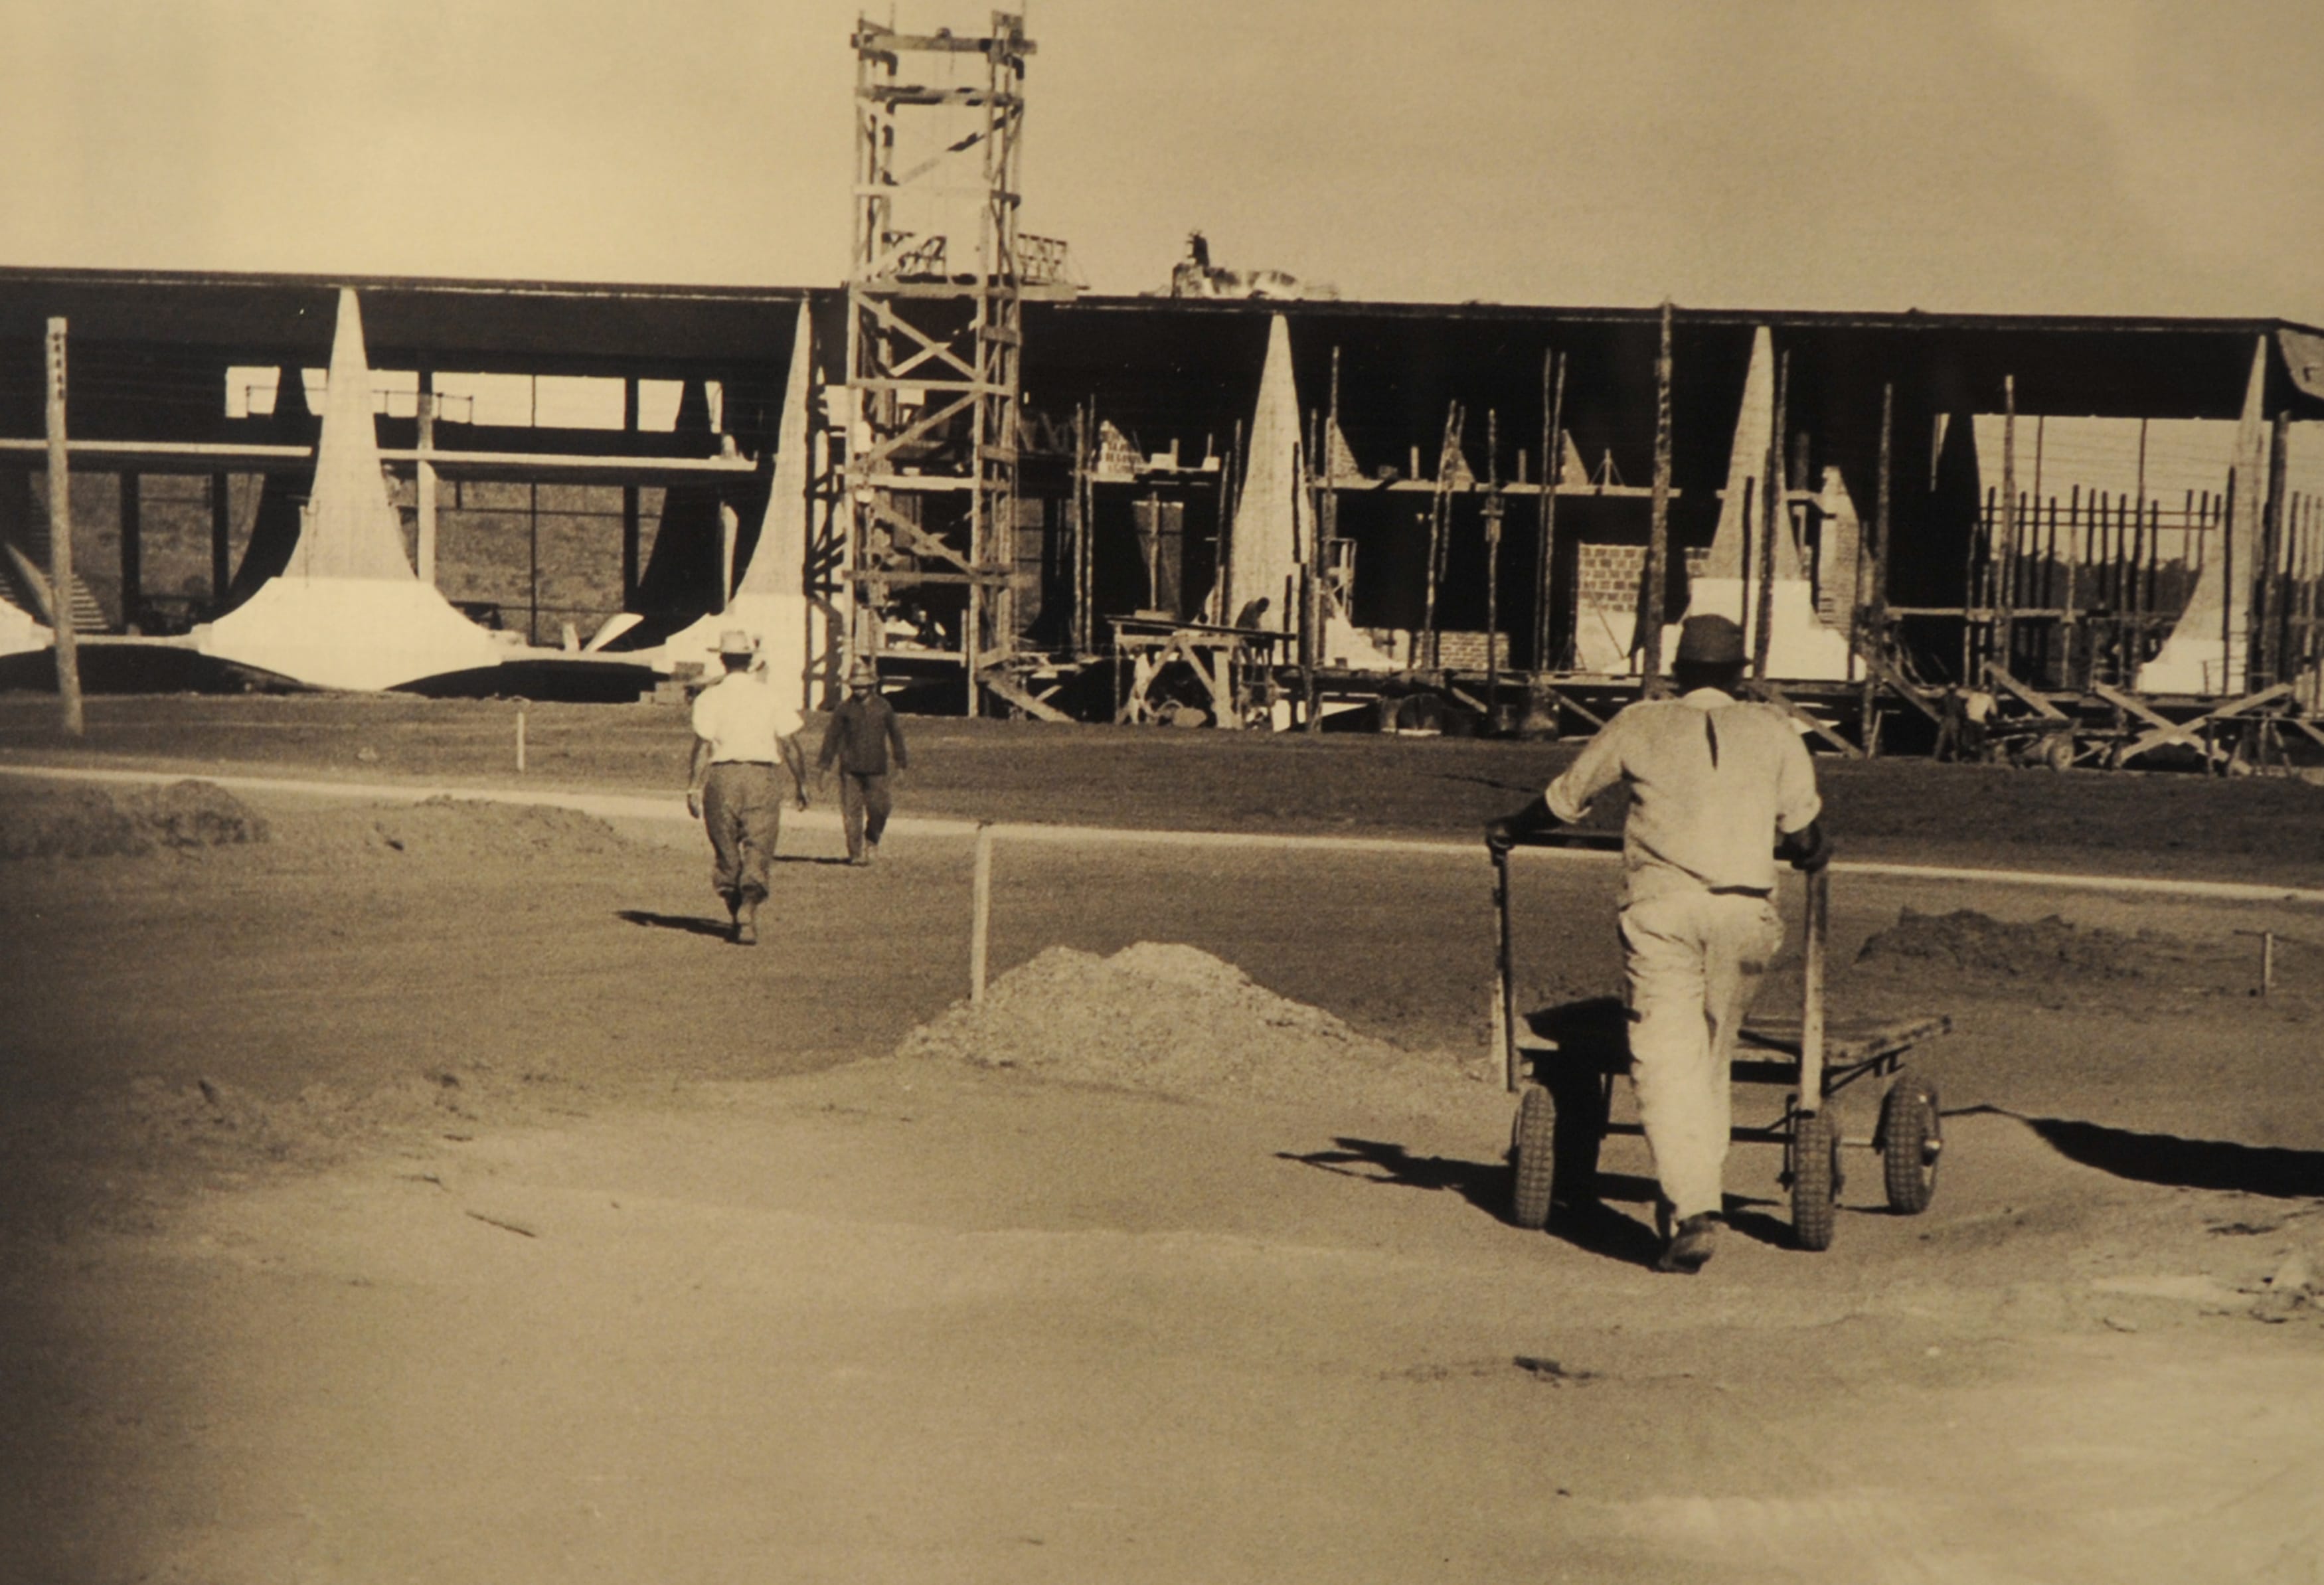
(82, 822)
(1158, 1015)
(445, 827)
(1978, 943)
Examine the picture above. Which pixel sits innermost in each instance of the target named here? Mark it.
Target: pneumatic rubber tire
(1909, 1142)
(1815, 1178)
(1533, 1158)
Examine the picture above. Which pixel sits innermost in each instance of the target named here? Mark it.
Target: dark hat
(1710, 641)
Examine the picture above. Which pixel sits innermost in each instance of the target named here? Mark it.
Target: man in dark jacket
(859, 735)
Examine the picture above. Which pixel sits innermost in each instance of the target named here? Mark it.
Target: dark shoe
(1690, 1247)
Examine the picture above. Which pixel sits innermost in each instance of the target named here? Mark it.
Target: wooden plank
(1772, 695)
(1999, 676)
(1007, 688)
(1567, 701)
(1881, 667)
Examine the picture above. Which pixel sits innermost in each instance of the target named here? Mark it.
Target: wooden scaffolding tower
(934, 340)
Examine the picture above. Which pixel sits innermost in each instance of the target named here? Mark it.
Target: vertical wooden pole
(2005, 598)
(60, 545)
(1650, 646)
(132, 548)
(532, 566)
(1492, 561)
(1771, 510)
(1875, 547)
(1553, 468)
(520, 737)
(221, 533)
(2228, 584)
(1232, 600)
(424, 478)
(1077, 525)
(1439, 522)
(2267, 648)
(628, 501)
(980, 917)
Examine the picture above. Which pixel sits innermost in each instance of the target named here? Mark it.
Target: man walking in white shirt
(1719, 789)
(741, 730)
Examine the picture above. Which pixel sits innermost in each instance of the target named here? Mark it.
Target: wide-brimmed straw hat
(736, 642)
(863, 675)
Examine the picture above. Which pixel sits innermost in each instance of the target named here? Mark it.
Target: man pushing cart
(1719, 788)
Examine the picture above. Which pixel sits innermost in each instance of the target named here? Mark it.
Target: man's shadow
(690, 924)
(1588, 1206)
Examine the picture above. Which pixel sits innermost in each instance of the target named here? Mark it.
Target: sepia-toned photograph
(873, 790)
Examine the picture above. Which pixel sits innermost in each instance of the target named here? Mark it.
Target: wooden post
(520, 737)
(1650, 647)
(980, 918)
(60, 568)
(2227, 585)
(1326, 530)
(2005, 590)
(423, 475)
(1874, 549)
(1440, 513)
(132, 548)
(628, 501)
(1230, 602)
(2267, 647)
(1553, 467)
(2049, 510)
(1492, 562)
(1771, 509)
(221, 547)
(1077, 522)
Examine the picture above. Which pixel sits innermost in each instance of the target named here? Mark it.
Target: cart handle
(1818, 931)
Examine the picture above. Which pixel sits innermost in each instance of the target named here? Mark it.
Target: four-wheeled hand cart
(1563, 1071)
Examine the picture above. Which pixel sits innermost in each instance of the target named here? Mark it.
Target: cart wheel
(1535, 1153)
(1910, 1139)
(1815, 1178)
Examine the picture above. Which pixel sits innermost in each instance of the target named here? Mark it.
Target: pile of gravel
(82, 822)
(1978, 943)
(1171, 1018)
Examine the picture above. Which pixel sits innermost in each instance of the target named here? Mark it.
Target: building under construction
(1018, 496)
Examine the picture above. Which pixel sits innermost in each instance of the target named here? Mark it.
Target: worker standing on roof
(861, 731)
(1720, 789)
(741, 730)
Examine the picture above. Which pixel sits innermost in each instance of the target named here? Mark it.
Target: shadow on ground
(690, 924)
(2180, 1163)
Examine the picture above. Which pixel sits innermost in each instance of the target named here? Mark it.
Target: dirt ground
(425, 1193)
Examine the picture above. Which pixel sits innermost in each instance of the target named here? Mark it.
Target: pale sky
(2071, 156)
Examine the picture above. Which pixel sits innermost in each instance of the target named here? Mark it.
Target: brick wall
(1609, 575)
(1465, 652)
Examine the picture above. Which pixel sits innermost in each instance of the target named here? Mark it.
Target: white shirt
(1712, 781)
(739, 717)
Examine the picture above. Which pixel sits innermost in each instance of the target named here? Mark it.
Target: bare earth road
(525, 1232)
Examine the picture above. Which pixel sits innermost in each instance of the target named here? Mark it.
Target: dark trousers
(863, 809)
(743, 815)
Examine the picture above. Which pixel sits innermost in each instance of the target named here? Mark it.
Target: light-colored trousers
(1693, 961)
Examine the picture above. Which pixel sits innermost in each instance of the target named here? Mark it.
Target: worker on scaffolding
(1720, 789)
